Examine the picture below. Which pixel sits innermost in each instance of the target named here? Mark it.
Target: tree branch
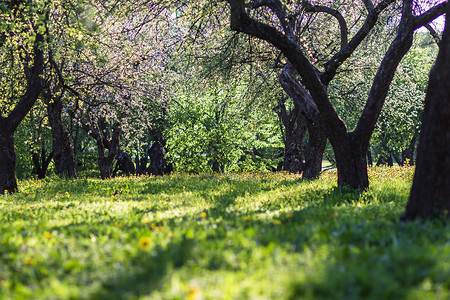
(241, 22)
(333, 12)
(430, 15)
(339, 58)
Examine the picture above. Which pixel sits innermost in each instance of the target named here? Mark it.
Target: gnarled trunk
(62, 147)
(306, 111)
(314, 150)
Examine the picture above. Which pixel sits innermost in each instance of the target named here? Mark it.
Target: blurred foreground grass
(219, 236)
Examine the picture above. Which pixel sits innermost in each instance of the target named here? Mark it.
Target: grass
(219, 236)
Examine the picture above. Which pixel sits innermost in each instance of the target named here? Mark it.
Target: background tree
(350, 147)
(22, 42)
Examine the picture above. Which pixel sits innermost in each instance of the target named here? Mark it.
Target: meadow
(219, 236)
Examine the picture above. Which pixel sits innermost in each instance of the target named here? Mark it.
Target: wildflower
(247, 218)
(47, 234)
(203, 215)
(276, 222)
(145, 243)
(28, 261)
(192, 294)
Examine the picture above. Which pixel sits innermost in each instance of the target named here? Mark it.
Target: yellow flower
(276, 222)
(192, 294)
(247, 218)
(28, 261)
(47, 234)
(203, 215)
(145, 243)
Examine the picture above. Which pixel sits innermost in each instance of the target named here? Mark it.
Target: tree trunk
(430, 192)
(314, 150)
(62, 147)
(307, 111)
(351, 163)
(8, 162)
(41, 165)
(124, 164)
(408, 154)
(8, 125)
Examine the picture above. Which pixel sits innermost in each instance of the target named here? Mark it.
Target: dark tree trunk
(430, 192)
(295, 130)
(41, 165)
(8, 162)
(351, 163)
(8, 125)
(105, 161)
(307, 111)
(141, 164)
(408, 154)
(124, 164)
(314, 150)
(62, 147)
(158, 163)
(100, 133)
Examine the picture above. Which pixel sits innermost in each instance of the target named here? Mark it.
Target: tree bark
(314, 150)
(430, 192)
(62, 146)
(306, 108)
(295, 130)
(8, 162)
(8, 125)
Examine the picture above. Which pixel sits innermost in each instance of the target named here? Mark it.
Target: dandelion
(28, 261)
(47, 234)
(192, 294)
(145, 243)
(203, 215)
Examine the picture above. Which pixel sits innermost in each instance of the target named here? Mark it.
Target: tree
(350, 147)
(27, 43)
(430, 192)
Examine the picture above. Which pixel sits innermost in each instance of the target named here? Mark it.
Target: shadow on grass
(359, 249)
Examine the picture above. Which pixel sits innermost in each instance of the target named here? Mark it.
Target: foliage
(216, 131)
(221, 236)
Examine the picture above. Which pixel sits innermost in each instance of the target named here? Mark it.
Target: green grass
(219, 236)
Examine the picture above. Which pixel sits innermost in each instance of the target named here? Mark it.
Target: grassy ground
(229, 236)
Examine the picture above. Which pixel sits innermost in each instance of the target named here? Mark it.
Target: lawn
(219, 236)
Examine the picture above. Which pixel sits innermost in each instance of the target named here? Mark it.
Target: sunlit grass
(219, 236)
